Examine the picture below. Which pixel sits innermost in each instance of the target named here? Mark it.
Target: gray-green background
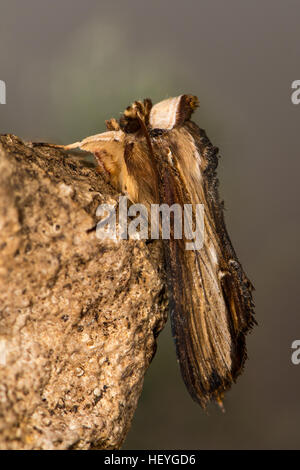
(69, 65)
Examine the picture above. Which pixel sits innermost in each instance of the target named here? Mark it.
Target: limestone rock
(78, 315)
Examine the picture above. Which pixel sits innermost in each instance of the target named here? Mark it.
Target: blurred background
(69, 65)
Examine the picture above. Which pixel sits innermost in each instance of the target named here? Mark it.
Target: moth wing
(91, 142)
(211, 305)
(108, 149)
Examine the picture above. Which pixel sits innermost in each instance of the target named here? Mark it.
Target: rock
(79, 316)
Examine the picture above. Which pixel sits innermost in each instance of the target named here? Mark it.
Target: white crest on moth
(163, 114)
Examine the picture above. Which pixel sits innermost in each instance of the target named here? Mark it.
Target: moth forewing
(199, 316)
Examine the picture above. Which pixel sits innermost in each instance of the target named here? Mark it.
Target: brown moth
(158, 155)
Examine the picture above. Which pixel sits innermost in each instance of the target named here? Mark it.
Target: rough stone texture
(78, 315)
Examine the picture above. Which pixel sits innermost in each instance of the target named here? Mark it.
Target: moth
(156, 154)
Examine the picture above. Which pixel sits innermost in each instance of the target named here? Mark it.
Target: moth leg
(112, 125)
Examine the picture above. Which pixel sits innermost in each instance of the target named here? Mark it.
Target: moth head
(136, 116)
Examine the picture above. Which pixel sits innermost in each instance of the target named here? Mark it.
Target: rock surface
(78, 315)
